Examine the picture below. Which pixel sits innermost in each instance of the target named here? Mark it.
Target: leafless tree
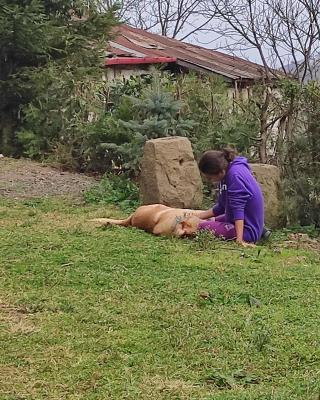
(286, 37)
(283, 32)
(179, 19)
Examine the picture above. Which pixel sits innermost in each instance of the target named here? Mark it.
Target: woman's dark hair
(213, 162)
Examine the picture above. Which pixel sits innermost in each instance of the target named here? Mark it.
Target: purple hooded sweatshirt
(241, 198)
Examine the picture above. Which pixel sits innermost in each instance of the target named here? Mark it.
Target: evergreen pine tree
(154, 114)
(51, 39)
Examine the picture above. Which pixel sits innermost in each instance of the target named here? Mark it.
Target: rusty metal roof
(129, 42)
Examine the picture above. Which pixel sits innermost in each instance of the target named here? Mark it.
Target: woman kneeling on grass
(239, 212)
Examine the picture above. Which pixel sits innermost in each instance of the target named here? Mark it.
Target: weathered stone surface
(170, 174)
(269, 179)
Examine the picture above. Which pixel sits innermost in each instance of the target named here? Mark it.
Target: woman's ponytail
(229, 153)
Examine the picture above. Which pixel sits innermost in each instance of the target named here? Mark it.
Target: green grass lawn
(87, 313)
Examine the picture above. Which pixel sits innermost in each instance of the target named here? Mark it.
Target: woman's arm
(205, 214)
(239, 227)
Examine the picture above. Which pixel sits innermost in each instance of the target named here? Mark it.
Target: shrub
(115, 189)
(153, 114)
(302, 165)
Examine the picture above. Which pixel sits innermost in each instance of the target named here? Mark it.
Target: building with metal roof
(132, 51)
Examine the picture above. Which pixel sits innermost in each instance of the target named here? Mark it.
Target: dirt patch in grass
(302, 241)
(16, 319)
(25, 179)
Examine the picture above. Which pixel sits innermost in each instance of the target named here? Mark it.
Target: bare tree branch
(285, 33)
(179, 19)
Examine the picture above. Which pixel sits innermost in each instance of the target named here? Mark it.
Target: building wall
(125, 72)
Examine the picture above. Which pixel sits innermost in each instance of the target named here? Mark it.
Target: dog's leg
(110, 221)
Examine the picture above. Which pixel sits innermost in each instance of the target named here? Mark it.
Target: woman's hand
(239, 227)
(245, 244)
(205, 214)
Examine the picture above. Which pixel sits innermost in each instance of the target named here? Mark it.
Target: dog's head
(187, 227)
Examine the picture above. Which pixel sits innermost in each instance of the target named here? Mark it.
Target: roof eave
(201, 68)
(136, 60)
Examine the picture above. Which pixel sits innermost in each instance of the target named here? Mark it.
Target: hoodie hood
(240, 161)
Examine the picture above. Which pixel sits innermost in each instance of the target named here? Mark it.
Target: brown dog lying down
(159, 220)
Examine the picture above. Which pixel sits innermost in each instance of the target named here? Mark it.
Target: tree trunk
(280, 151)
(7, 133)
(264, 134)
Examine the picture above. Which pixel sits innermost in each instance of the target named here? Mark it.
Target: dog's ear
(184, 224)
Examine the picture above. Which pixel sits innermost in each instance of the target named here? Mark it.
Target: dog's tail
(110, 221)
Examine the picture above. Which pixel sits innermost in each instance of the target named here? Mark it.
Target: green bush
(301, 170)
(151, 113)
(218, 120)
(94, 125)
(115, 189)
(146, 108)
